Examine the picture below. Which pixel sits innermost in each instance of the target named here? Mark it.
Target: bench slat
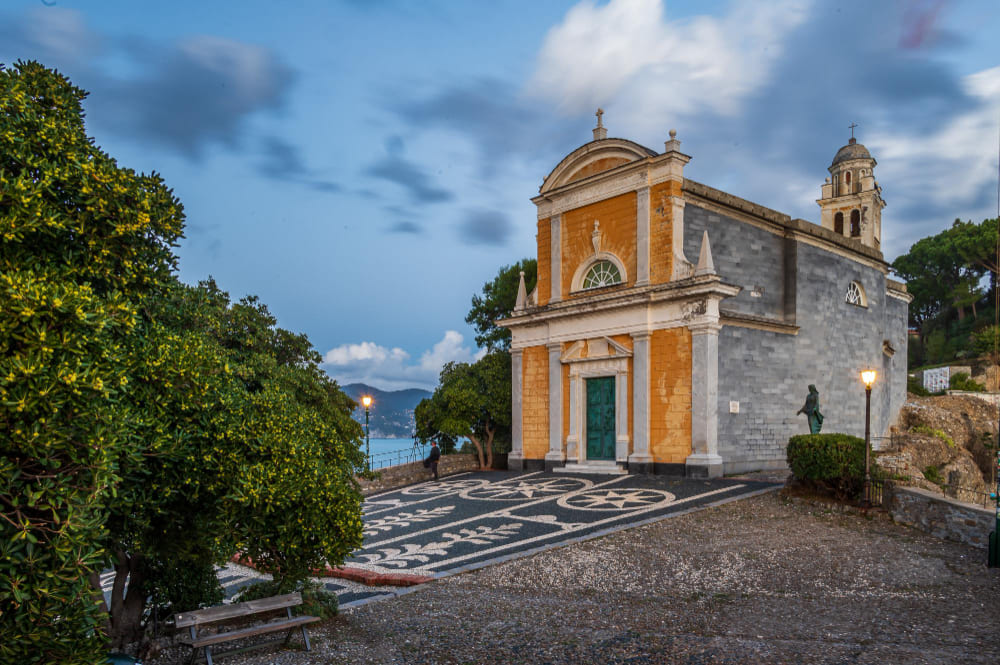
(224, 612)
(285, 624)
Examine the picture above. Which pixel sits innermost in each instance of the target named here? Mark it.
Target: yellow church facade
(616, 352)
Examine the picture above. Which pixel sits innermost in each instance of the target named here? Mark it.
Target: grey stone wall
(768, 373)
(942, 517)
(402, 475)
(756, 370)
(745, 256)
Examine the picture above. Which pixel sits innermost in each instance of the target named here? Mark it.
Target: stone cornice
(627, 178)
(681, 290)
(782, 224)
(741, 320)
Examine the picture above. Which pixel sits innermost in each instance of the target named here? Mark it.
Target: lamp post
(868, 377)
(367, 401)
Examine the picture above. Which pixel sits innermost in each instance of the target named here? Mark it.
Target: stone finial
(600, 132)
(595, 237)
(706, 266)
(522, 296)
(673, 145)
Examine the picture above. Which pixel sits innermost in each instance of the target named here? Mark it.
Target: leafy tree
(143, 423)
(944, 273)
(497, 301)
(471, 401)
(242, 415)
(85, 244)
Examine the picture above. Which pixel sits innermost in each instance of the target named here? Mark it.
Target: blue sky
(364, 167)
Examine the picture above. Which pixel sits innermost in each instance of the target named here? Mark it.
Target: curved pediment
(592, 158)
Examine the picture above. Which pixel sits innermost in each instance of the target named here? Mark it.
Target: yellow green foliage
(143, 423)
(938, 433)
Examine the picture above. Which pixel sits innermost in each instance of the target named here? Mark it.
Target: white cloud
(392, 369)
(957, 162)
(629, 54)
(349, 354)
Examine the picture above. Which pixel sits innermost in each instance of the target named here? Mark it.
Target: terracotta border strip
(361, 575)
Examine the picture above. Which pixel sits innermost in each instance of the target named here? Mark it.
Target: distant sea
(388, 452)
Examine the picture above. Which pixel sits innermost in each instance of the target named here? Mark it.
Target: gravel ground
(762, 580)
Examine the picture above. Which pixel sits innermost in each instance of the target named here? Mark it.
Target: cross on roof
(851, 127)
(599, 113)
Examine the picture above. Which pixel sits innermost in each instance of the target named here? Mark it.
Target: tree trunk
(127, 605)
(490, 431)
(479, 450)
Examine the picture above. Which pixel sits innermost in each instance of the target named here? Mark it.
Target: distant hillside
(391, 412)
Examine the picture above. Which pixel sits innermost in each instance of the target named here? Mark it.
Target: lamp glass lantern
(868, 378)
(367, 402)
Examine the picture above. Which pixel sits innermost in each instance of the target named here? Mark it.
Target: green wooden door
(601, 418)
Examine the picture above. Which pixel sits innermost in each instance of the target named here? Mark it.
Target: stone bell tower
(851, 202)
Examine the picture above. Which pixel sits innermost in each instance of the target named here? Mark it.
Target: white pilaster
(515, 459)
(621, 416)
(640, 396)
(642, 236)
(704, 459)
(682, 268)
(575, 404)
(555, 258)
(556, 453)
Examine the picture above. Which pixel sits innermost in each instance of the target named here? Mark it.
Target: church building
(676, 328)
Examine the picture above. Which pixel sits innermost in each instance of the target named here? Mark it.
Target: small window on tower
(847, 180)
(838, 223)
(856, 295)
(855, 223)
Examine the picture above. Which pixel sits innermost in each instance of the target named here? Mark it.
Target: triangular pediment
(594, 348)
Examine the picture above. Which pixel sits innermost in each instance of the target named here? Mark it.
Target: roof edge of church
(780, 218)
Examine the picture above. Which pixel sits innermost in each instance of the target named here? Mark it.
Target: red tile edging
(361, 575)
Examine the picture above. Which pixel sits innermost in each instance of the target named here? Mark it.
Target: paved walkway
(465, 521)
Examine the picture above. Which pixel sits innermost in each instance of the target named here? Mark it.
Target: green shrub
(829, 462)
(932, 474)
(941, 434)
(962, 381)
(984, 342)
(914, 386)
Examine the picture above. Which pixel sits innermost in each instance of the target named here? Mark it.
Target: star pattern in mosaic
(616, 499)
(526, 489)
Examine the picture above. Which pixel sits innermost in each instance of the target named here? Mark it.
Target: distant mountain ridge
(391, 412)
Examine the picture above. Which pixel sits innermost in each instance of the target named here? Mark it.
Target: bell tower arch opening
(852, 187)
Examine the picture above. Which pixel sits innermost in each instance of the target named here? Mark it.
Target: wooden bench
(193, 620)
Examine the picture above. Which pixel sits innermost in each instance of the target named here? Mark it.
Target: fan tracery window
(602, 273)
(856, 295)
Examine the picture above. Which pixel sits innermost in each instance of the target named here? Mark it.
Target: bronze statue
(811, 409)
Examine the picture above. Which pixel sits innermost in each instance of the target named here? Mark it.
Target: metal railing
(415, 453)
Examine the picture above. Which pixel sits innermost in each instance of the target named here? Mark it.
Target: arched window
(602, 273)
(855, 223)
(856, 295)
(847, 181)
(838, 223)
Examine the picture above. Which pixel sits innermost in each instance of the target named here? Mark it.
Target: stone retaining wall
(401, 475)
(942, 517)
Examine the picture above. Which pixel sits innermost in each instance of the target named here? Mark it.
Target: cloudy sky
(365, 166)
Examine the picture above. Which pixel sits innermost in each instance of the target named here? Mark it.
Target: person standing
(433, 458)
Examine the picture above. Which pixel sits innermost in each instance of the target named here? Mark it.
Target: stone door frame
(581, 369)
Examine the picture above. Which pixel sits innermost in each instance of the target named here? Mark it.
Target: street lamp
(367, 401)
(868, 377)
